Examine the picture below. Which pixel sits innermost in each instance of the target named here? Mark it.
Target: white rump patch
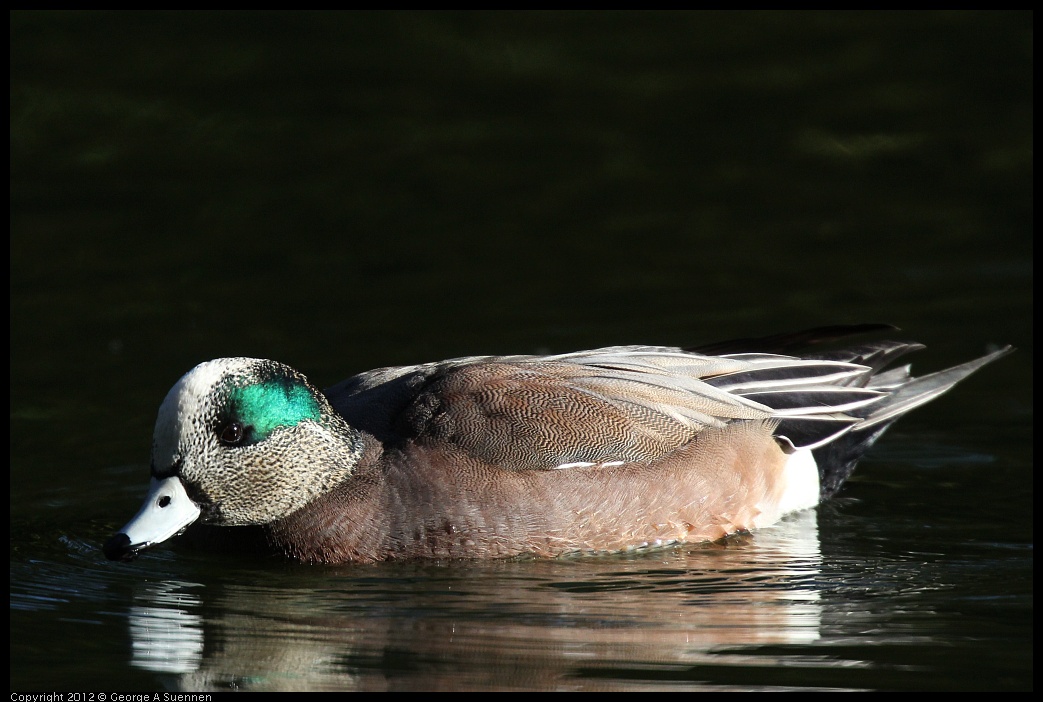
(800, 488)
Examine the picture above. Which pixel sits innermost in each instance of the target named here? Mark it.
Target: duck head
(238, 441)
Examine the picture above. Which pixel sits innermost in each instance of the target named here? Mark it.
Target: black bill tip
(118, 548)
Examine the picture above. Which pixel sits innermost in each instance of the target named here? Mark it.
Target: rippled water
(854, 596)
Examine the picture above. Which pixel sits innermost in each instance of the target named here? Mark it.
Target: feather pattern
(639, 403)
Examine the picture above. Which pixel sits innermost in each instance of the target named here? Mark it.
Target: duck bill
(166, 512)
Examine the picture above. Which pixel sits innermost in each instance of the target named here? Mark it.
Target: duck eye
(232, 434)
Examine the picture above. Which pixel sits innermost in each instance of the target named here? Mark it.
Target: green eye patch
(278, 402)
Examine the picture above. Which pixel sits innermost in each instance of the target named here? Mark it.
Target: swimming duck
(497, 456)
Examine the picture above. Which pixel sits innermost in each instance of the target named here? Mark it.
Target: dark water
(345, 191)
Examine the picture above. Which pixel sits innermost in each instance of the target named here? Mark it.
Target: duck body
(421, 502)
(494, 457)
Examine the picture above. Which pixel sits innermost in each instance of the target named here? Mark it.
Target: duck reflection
(166, 631)
(644, 620)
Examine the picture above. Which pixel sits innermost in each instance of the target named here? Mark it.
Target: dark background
(341, 191)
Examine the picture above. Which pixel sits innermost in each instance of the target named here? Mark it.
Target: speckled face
(250, 440)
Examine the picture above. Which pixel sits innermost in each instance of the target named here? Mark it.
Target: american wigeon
(491, 457)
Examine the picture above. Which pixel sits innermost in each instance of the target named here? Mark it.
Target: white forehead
(190, 399)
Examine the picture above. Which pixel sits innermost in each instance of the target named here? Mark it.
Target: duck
(482, 457)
